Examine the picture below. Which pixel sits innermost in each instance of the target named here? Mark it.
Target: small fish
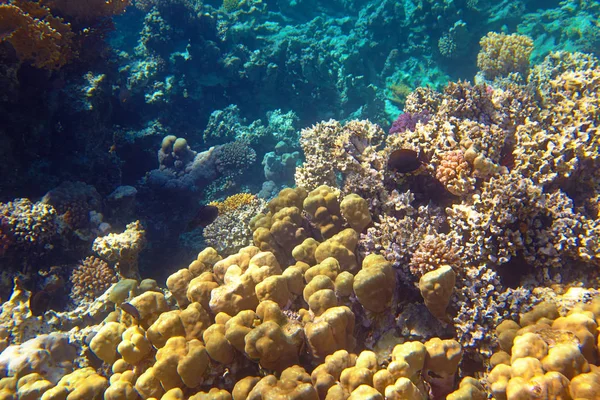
(131, 310)
(204, 217)
(124, 95)
(404, 161)
(39, 303)
(88, 338)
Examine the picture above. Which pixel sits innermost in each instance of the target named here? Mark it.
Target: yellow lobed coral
(551, 356)
(375, 283)
(436, 288)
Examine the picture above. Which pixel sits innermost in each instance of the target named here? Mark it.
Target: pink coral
(453, 172)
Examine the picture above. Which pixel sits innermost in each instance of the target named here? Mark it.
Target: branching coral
(502, 54)
(36, 35)
(233, 202)
(233, 157)
(91, 278)
(349, 152)
(88, 9)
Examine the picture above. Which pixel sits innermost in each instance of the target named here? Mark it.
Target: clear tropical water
(195, 195)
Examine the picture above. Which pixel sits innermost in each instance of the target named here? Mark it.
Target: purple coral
(408, 121)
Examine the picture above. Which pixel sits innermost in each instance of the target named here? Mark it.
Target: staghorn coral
(38, 37)
(503, 54)
(91, 278)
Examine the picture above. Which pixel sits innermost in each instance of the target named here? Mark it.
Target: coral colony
(318, 200)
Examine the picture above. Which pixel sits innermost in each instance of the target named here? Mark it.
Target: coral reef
(417, 239)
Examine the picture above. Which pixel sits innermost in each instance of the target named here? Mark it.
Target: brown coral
(91, 278)
(454, 173)
(36, 35)
(88, 9)
(433, 252)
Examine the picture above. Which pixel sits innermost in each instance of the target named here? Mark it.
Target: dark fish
(131, 310)
(39, 303)
(404, 161)
(204, 217)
